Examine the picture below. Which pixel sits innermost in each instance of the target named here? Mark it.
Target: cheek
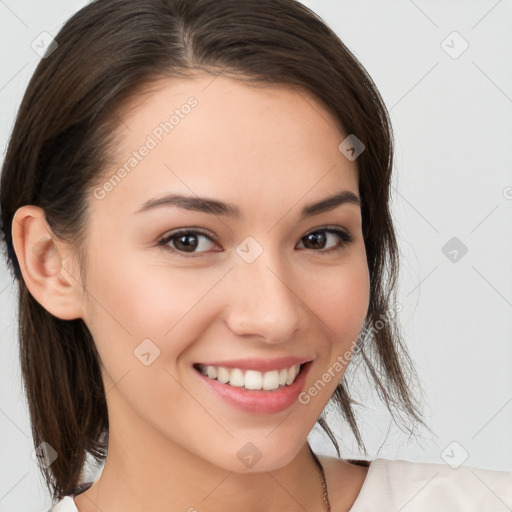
(142, 318)
(130, 302)
(344, 306)
(340, 298)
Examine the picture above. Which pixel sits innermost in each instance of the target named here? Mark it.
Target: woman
(195, 206)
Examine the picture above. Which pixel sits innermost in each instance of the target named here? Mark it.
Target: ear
(41, 256)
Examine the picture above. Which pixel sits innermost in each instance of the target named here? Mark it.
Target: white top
(400, 485)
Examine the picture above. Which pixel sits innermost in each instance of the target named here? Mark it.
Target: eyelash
(345, 237)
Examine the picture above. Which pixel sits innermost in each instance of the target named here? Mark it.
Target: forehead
(221, 137)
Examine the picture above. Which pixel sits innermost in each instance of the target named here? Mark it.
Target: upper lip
(259, 364)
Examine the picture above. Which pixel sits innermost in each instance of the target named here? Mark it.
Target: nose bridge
(263, 302)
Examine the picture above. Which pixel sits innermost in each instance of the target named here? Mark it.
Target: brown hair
(63, 135)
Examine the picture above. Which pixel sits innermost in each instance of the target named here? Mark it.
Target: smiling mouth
(252, 380)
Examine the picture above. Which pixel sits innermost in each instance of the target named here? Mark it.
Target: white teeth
(270, 380)
(222, 374)
(252, 379)
(292, 374)
(283, 376)
(236, 377)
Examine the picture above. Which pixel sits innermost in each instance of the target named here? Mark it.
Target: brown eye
(317, 240)
(191, 243)
(187, 241)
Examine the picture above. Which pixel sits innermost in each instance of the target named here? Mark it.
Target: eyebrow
(215, 207)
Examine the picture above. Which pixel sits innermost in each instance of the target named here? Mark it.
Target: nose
(263, 302)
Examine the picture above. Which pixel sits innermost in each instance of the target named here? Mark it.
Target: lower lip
(259, 401)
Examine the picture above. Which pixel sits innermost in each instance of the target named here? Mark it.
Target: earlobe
(39, 254)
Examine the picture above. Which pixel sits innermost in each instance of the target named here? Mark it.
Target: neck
(148, 472)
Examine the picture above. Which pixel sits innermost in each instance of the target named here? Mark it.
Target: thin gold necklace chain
(326, 506)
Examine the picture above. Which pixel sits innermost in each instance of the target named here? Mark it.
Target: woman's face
(262, 281)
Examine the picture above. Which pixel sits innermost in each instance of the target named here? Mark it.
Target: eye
(321, 237)
(193, 241)
(186, 241)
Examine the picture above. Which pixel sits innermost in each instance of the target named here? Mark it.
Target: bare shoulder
(344, 481)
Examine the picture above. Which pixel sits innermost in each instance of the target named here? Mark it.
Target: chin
(256, 457)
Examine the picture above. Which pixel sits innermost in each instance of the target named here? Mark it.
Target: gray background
(453, 130)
